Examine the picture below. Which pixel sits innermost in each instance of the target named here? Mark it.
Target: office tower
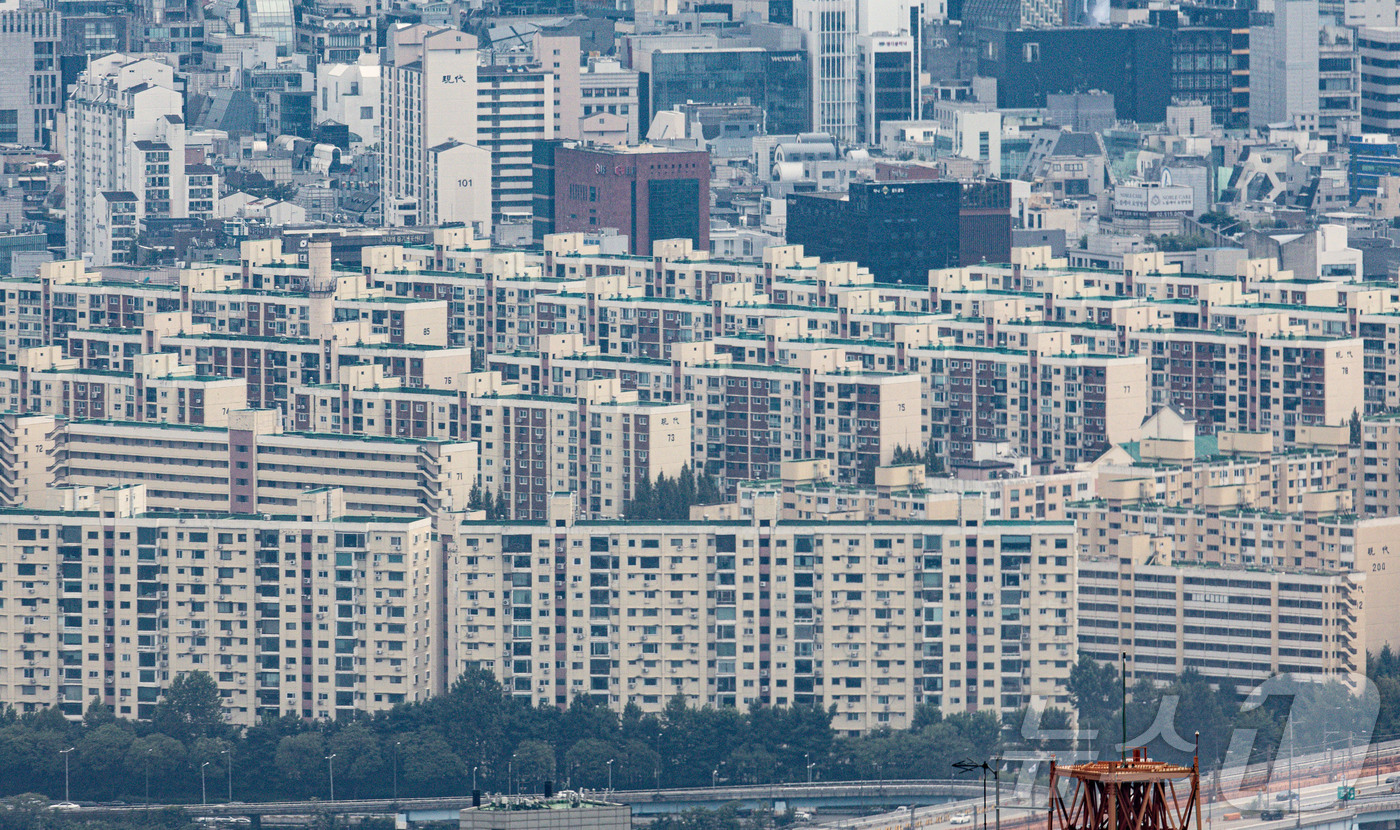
(902, 230)
(1210, 62)
(1380, 110)
(888, 88)
(1339, 89)
(436, 91)
(834, 29)
(1357, 12)
(126, 155)
(646, 193)
(777, 81)
(175, 26)
(1133, 64)
(1283, 82)
(1009, 15)
(831, 56)
(29, 87)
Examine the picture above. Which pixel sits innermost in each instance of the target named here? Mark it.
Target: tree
(926, 714)
(301, 760)
(358, 758)
(189, 708)
(430, 765)
(102, 755)
(98, 714)
(670, 499)
(534, 764)
(212, 751)
(156, 758)
(1355, 428)
(587, 762)
(1093, 689)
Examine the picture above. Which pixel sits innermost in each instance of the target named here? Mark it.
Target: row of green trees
(670, 499)
(663, 499)
(475, 733)
(478, 733)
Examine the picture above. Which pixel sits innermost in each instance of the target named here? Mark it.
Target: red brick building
(646, 193)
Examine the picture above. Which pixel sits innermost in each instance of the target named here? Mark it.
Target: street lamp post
(229, 753)
(149, 753)
(203, 788)
(474, 769)
(64, 753)
(714, 779)
(810, 765)
(610, 763)
(330, 767)
(397, 744)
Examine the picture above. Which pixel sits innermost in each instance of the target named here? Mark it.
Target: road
(1318, 776)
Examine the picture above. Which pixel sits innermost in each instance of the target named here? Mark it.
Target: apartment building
(601, 444)
(997, 488)
(1226, 499)
(1173, 463)
(26, 461)
(1237, 626)
(126, 144)
(747, 418)
(1377, 482)
(314, 613)
(368, 401)
(1267, 377)
(872, 618)
(437, 90)
(252, 466)
(159, 390)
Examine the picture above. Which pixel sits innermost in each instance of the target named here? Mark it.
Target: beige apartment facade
(316, 613)
(872, 618)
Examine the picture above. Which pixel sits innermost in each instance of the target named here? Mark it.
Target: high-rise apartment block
(436, 91)
(871, 618)
(126, 160)
(276, 396)
(316, 612)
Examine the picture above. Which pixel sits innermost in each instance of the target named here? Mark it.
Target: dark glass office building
(775, 81)
(1367, 162)
(1132, 64)
(902, 230)
(1210, 60)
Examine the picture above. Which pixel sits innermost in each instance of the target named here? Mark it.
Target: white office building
(840, 46)
(1380, 79)
(29, 87)
(348, 93)
(1283, 78)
